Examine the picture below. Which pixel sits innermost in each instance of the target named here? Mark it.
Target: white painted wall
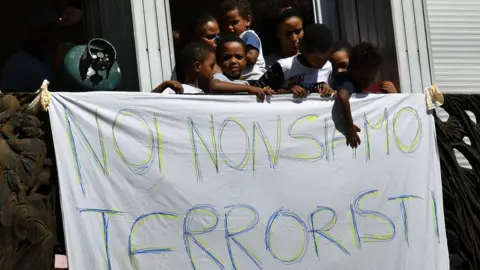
(454, 42)
(411, 42)
(454, 47)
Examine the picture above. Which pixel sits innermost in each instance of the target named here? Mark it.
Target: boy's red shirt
(373, 89)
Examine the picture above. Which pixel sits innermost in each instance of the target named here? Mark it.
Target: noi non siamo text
(211, 141)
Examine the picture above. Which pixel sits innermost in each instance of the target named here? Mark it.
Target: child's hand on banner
(388, 87)
(299, 92)
(325, 90)
(174, 85)
(261, 92)
(353, 140)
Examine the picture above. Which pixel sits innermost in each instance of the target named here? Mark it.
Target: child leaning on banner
(236, 18)
(197, 61)
(231, 57)
(307, 72)
(340, 57)
(362, 69)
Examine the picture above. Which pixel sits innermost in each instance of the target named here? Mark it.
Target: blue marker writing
(268, 235)
(230, 235)
(355, 209)
(435, 217)
(189, 234)
(105, 213)
(141, 220)
(324, 231)
(402, 200)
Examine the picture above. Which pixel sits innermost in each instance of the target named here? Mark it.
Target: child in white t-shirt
(236, 18)
(308, 72)
(198, 61)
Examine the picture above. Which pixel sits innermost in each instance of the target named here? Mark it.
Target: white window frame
(317, 10)
(411, 42)
(153, 45)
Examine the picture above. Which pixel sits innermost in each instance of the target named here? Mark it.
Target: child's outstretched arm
(252, 56)
(351, 129)
(221, 87)
(253, 47)
(174, 85)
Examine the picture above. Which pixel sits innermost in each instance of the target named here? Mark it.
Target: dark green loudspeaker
(92, 67)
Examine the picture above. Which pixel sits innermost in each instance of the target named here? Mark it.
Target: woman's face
(290, 32)
(209, 33)
(339, 61)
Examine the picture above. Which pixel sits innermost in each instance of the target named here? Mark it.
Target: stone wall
(27, 195)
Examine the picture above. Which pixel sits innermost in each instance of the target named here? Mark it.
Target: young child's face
(339, 61)
(317, 59)
(205, 70)
(209, 33)
(363, 77)
(235, 23)
(290, 32)
(233, 59)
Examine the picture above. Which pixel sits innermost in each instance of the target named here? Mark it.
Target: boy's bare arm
(343, 98)
(219, 87)
(226, 87)
(174, 85)
(160, 88)
(296, 90)
(252, 56)
(284, 91)
(351, 129)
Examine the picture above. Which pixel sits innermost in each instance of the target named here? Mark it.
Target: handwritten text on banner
(188, 182)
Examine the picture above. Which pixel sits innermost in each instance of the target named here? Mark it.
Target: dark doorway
(371, 20)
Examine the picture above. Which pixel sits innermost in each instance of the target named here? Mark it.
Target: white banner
(214, 182)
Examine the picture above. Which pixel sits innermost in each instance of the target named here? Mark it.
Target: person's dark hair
(342, 46)
(317, 37)
(364, 56)
(286, 14)
(193, 52)
(243, 7)
(226, 39)
(202, 20)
